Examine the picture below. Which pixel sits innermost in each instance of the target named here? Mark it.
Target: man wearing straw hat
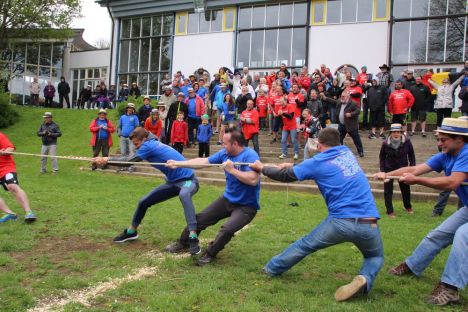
(352, 217)
(181, 182)
(239, 202)
(49, 131)
(453, 159)
(101, 139)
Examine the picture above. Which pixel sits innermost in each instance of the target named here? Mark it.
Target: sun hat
(181, 94)
(161, 103)
(396, 127)
(47, 114)
(131, 105)
(190, 90)
(102, 111)
(146, 97)
(154, 111)
(457, 126)
(384, 66)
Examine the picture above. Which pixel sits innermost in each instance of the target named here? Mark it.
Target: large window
(272, 34)
(348, 11)
(429, 31)
(145, 51)
(87, 76)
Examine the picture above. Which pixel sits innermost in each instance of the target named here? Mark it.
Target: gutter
(111, 47)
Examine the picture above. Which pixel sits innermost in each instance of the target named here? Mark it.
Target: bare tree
(102, 44)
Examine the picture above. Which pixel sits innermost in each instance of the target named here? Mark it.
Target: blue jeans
(284, 141)
(329, 232)
(185, 189)
(454, 230)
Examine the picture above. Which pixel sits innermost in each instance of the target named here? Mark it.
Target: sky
(95, 21)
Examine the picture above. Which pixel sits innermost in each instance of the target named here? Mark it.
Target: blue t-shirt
(202, 92)
(192, 108)
(341, 181)
(237, 192)
(229, 115)
(127, 124)
(102, 134)
(449, 164)
(157, 152)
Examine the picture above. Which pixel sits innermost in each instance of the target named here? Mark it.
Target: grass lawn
(70, 247)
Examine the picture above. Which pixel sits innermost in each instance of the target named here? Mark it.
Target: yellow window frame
(184, 30)
(232, 10)
(387, 10)
(312, 13)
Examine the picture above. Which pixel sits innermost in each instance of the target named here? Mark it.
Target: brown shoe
(410, 210)
(357, 286)
(442, 295)
(401, 269)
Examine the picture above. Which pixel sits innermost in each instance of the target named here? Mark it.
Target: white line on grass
(86, 295)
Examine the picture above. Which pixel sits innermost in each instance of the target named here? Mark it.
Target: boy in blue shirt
(181, 182)
(204, 133)
(240, 200)
(352, 214)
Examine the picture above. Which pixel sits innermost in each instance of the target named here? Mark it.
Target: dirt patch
(343, 276)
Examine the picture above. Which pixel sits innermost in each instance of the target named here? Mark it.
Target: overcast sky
(95, 21)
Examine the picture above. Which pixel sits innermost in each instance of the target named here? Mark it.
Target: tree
(36, 19)
(102, 44)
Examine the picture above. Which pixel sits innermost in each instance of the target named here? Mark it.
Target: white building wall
(90, 59)
(356, 44)
(210, 51)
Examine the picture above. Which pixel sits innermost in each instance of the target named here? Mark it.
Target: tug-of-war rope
(90, 159)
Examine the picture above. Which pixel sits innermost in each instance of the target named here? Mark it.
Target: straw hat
(47, 114)
(102, 111)
(457, 126)
(396, 127)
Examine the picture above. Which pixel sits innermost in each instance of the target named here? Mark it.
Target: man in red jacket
(399, 103)
(250, 125)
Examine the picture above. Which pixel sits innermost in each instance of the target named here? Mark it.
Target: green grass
(70, 248)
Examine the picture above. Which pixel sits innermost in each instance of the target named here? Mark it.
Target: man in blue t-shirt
(127, 123)
(352, 212)
(240, 200)
(453, 159)
(179, 182)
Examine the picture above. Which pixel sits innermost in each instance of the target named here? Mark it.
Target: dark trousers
(263, 123)
(67, 99)
(221, 208)
(48, 102)
(101, 145)
(254, 140)
(388, 195)
(365, 113)
(203, 149)
(354, 135)
(34, 100)
(178, 146)
(443, 113)
(192, 125)
(442, 202)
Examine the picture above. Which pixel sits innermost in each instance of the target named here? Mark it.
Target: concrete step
(299, 187)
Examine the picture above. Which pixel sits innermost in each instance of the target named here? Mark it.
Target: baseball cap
(47, 114)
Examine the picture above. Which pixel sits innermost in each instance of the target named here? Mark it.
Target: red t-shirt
(356, 90)
(362, 78)
(7, 164)
(289, 124)
(262, 106)
(292, 100)
(250, 129)
(275, 101)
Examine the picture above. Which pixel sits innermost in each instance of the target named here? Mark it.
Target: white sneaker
(296, 157)
(282, 156)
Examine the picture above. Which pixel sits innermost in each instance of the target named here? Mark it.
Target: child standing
(179, 133)
(204, 133)
(262, 107)
(396, 152)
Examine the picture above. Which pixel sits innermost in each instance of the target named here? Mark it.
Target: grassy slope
(80, 212)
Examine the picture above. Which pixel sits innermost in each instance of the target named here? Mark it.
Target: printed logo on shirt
(347, 163)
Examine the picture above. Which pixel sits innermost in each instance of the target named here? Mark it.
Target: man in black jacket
(49, 131)
(422, 97)
(347, 118)
(63, 91)
(376, 100)
(145, 110)
(85, 97)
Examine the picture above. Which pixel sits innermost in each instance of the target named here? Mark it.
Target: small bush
(8, 115)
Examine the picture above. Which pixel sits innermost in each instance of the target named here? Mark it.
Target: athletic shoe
(177, 247)
(194, 246)
(282, 156)
(410, 210)
(411, 133)
(372, 136)
(361, 154)
(215, 132)
(125, 237)
(30, 217)
(296, 157)
(391, 215)
(443, 295)
(273, 141)
(382, 136)
(8, 216)
(436, 214)
(219, 143)
(400, 270)
(357, 286)
(205, 259)
(423, 134)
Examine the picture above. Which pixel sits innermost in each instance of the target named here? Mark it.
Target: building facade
(152, 38)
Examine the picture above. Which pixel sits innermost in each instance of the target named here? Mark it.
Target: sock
(130, 231)
(193, 235)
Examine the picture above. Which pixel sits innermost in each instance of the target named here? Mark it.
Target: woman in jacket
(396, 152)
(49, 93)
(444, 102)
(228, 115)
(101, 139)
